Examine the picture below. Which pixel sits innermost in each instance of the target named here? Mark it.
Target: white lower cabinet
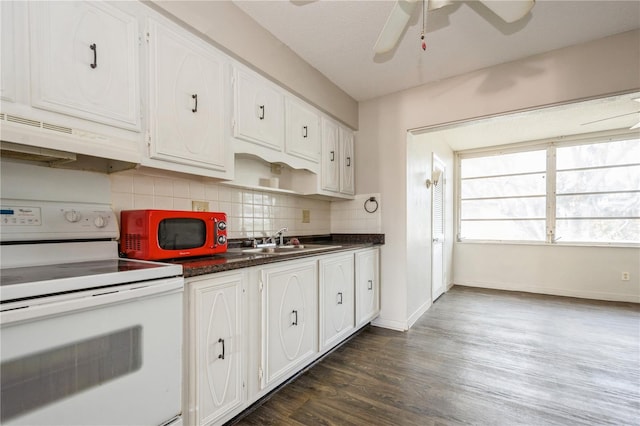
(289, 319)
(367, 285)
(337, 306)
(215, 358)
(250, 330)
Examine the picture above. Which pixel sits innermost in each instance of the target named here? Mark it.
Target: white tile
(142, 185)
(224, 193)
(121, 182)
(196, 190)
(141, 201)
(162, 187)
(211, 191)
(165, 203)
(121, 201)
(236, 210)
(182, 204)
(181, 188)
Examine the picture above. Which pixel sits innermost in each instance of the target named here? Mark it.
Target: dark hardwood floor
(478, 357)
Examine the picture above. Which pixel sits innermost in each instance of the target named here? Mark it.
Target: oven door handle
(28, 310)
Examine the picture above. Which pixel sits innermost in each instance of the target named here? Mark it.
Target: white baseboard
(390, 324)
(418, 313)
(582, 294)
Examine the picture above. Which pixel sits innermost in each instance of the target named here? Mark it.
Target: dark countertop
(235, 259)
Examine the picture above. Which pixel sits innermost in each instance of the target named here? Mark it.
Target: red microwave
(168, 234)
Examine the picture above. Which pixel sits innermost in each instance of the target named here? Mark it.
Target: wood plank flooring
(481, 357)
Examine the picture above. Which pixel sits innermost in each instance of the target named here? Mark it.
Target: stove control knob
(72, 216)
(100, 222)
(222, 225)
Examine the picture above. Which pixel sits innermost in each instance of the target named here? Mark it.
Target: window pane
(509, 208)
(519, 162)
(599, 230)
(598, 180)
(600, 154)
(506, 186)
(598, 205)
(509, 230)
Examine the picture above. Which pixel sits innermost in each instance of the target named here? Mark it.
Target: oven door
(102, 357)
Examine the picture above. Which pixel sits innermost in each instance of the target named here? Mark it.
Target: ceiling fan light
(509, 10)
(394, 27)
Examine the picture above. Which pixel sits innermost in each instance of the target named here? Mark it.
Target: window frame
(550, 145)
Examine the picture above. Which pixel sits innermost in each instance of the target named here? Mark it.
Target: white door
(289, 319)
(347, 185)
(217, 331)
(84, 61)
(187, 99)
(337, 307)
(437, 229)
(259, 111)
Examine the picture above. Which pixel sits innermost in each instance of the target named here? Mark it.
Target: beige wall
(593, 69)
(239, 35)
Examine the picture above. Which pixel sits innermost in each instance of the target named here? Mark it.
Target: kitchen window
(578, 191)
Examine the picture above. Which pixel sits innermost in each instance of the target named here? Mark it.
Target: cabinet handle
(221, 356)
(340, 298)
(295, 316)
(348, 161)
(261, 114)
(370, 286)
(195, 98)
(333, 155)
(95, 55)
(304, 131)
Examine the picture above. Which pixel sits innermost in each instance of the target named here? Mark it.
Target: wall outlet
(306, 216)
(200, 206)
(625, 276)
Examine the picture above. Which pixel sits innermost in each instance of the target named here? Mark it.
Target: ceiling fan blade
(509, 10)
(393, 28)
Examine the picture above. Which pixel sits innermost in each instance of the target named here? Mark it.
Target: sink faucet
(280, 234)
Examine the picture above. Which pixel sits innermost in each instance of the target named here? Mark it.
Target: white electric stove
(86, 338)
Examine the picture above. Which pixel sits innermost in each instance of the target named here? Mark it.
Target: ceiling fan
(634, 127)
(509, 11)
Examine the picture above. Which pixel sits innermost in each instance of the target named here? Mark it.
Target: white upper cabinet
(303, 131)
(330, 156)
(84, 61)
(187, 102)
(337, 159)
(8, 52)
(347, 184)
(259, 111)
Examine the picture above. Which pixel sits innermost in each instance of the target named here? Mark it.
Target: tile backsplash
(350, 216)
(251, 214)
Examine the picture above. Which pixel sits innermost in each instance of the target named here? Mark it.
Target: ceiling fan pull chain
(424, 25)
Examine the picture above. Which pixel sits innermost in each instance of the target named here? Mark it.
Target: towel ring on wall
(371, 209)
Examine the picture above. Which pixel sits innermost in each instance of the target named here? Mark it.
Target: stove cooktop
(34, 281)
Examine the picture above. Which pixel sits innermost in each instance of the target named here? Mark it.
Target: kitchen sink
(289, 249)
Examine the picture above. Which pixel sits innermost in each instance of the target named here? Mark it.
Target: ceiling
(337, 37)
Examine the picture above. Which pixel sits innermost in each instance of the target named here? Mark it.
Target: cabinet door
(289, 319)
(8, 57)
(186, 99)
(337, 306)
(367, 286)
(346, 162)
(216, 374)
(303, 131)
(330, 156)
(259, 111)
(84, 61)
